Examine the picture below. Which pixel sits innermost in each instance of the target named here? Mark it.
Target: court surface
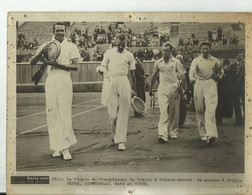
(94, 151)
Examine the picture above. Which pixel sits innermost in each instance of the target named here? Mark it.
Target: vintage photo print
(128, 103)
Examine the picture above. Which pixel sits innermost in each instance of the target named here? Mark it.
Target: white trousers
(59, 94)
(119, 107)
(105, 91)
(168, 96)
(206, 99)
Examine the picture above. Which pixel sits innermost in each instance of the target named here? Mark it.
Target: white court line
(22, 117)
(36, 128)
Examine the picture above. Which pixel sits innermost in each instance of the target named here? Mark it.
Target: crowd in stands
(84, 40)
(217, 37)
(24, 44)
(193, 40)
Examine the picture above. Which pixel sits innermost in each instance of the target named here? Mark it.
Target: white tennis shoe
(66, 155)
(204, 138)
(121, 147)
(56, 154)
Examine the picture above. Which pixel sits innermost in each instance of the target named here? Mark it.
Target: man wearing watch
(59, 92)
(120, 64)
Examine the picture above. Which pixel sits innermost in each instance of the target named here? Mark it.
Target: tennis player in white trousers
(59, 93)
(120, 65)
(170, 71)
(204, 73)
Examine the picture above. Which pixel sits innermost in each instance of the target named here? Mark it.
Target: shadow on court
(94, 150)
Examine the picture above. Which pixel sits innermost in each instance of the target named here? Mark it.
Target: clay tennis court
(95, 151)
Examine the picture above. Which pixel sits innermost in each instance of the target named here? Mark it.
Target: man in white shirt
(204, 72)
(120, 65)
(170, 71)
(59, 92)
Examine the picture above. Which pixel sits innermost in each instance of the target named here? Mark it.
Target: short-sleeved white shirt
(118, 64)
(168, 72)
(68, 52)
(202, 68)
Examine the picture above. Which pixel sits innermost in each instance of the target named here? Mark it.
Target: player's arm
(192, 72)
(131, 75)
(181, 70)
(74, 56)
(102, 68)
(154, 77)
(132, 80)
(219, 71)
(73, 66)
(44, 49)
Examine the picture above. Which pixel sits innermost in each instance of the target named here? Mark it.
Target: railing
(85, 79)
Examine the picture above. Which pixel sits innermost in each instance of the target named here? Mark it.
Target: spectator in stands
(110, 36)
(94, 57)
(181, 42)
(73, 38)
(102, 31)
(96, 32)
(224, 40)
(150, 54)
(195, 41)
(214, 34)
(26, 45)
(35, 43)
(82, 41)
(99, 56)
(193, 35)
(220, 33)
(189, 42)
(84, 54)
(236, 40)
(162, 39)
(145, 53)
(210, 35)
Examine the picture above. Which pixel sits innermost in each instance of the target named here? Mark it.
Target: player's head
(121, 41)
(239, 56)
(205, 48)
(167, 49)
(59, 30)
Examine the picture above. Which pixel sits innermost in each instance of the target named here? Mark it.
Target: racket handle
(37, 76)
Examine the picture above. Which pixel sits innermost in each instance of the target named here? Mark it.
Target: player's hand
(146, 75)
(133, 93)
(46, 49)
(151, 93)
(54, 63)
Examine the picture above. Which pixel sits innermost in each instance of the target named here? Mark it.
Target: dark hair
(121, 37)
(166, 44)
(206, 43)
(59, 23)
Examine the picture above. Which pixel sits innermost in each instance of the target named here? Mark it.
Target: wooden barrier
(85, 79)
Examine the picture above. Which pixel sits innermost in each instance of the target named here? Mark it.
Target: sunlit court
(94, 150)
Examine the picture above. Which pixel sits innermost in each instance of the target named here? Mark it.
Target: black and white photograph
(128, 103)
